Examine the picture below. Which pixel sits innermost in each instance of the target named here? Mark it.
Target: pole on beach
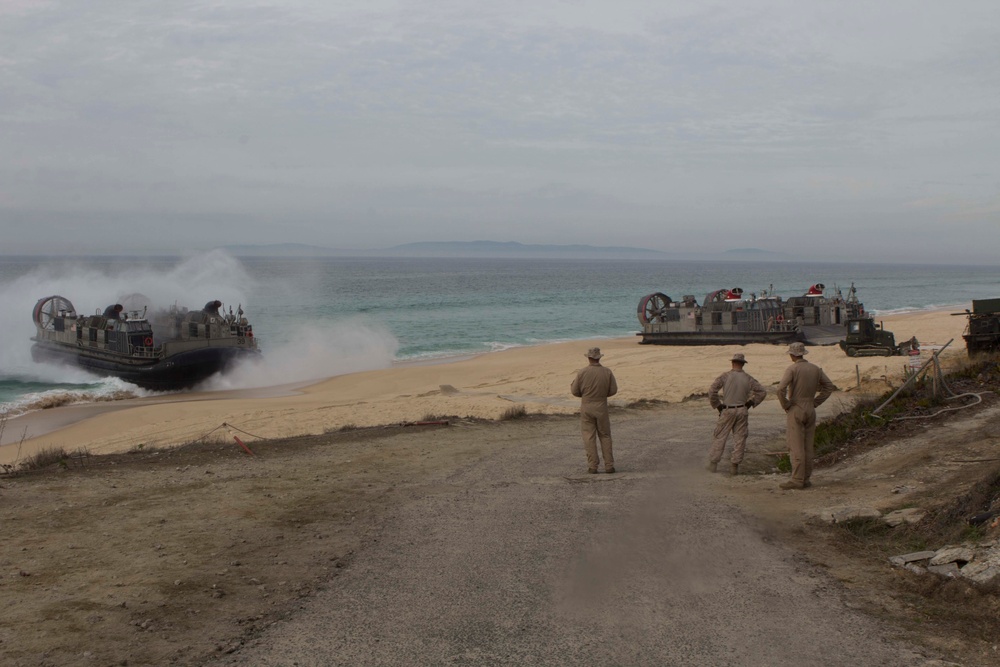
(238, 441)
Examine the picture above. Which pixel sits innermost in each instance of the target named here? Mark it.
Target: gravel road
(519, 558)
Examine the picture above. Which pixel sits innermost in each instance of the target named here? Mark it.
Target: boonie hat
(797, 350)
(594, 353)
(739, 357)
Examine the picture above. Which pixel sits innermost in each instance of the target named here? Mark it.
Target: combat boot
(712, 466)
(734, 469)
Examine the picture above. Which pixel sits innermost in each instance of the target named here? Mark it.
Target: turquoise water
(322, 317)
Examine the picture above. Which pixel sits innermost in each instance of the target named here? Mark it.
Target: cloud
(299, 119)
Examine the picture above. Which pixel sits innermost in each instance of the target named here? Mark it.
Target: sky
(862, 131)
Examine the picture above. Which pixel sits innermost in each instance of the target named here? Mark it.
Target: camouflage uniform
(739, 391)
(593, 385)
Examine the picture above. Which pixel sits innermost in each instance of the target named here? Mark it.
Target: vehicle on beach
(174, 349)
(982, 334)
(865, 338)
(730, 317)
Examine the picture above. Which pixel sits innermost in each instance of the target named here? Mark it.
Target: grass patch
(866, 529)
(143, 448)
(344, 428)
(857, 429)
(646, 403)
(873, 540)
(845, 426)
(982, 368)
(515, 412)
(952, 523)
(45, 458)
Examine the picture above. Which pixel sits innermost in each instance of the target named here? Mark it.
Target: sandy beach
(484, 387)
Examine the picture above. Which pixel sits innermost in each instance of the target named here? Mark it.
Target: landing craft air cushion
(176, 350)
(728, 317)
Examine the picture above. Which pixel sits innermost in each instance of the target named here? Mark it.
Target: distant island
(758, 253)
(514, 249)
(499, 249)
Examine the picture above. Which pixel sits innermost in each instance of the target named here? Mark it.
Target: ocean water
(316, 318)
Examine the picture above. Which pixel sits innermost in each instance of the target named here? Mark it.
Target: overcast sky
(842, 130)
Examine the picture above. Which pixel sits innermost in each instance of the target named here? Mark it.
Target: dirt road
(476, 543)
(517, 559)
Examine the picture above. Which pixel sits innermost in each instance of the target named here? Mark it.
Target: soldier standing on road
(593, 385)
(803, 388)
(740, 392)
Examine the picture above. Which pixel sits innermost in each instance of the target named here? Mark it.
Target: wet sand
(41, 422)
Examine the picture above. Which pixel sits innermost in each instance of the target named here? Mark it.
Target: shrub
(515, 412)
(45, 457)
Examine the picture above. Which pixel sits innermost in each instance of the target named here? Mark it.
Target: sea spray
(312, 353)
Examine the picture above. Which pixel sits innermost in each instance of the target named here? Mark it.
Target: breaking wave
(30, 396)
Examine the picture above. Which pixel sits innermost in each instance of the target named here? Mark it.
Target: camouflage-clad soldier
(593, 384)
(739, 392)
(803, 388)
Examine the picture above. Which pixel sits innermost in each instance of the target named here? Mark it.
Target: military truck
(865, 338)
(983, 333)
